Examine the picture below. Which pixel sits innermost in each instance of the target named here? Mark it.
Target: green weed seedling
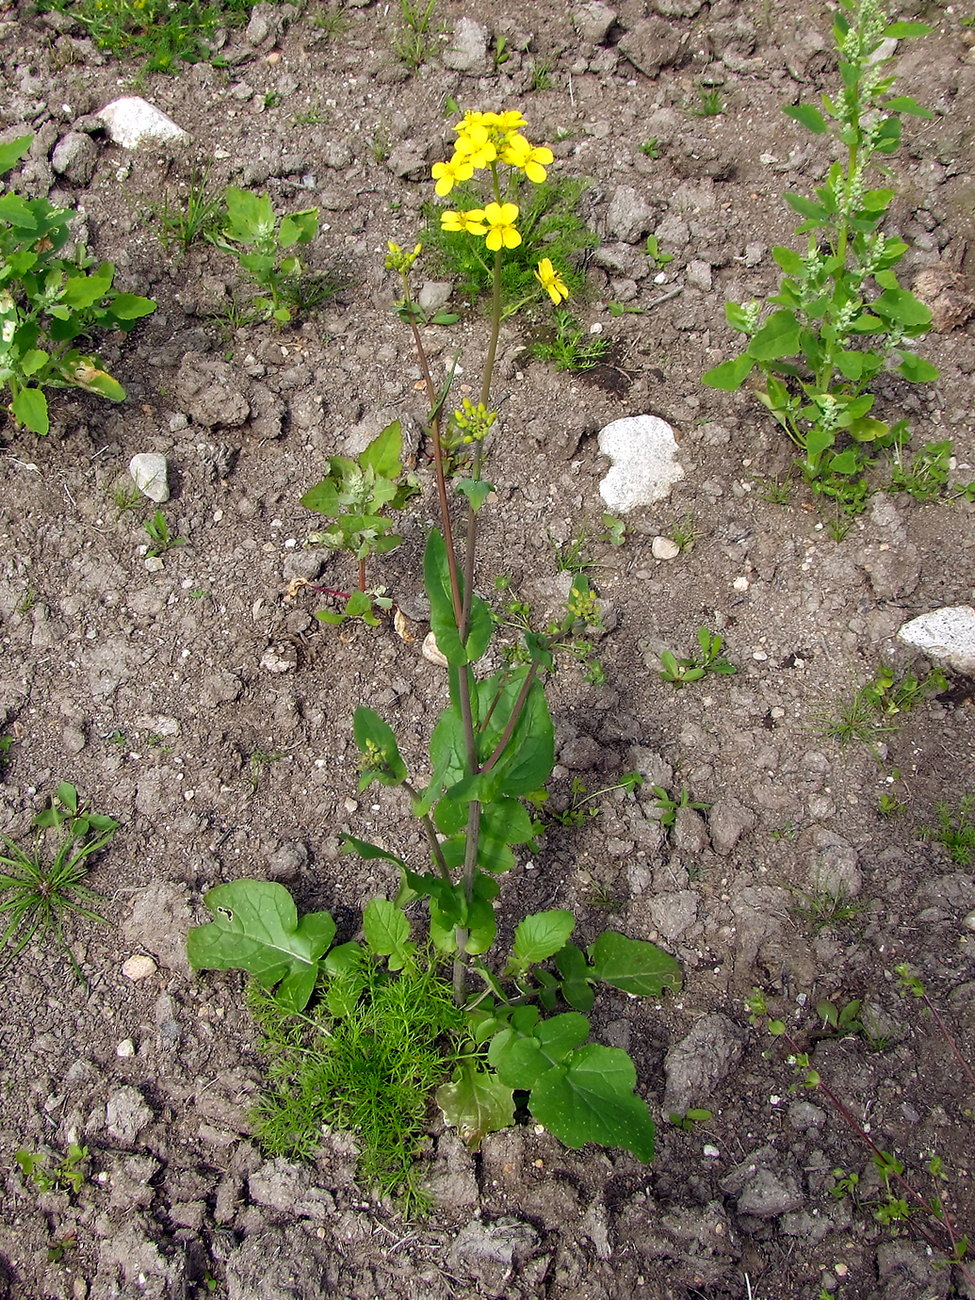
(955, 830)
(710, 659)
(355, 496)
(258, 763)
(874, 709)
(688, 1120)
(196, 217)
(124, 499)
(50, 1174)
(431, 998)
(38, 890)
(411, 44)
(572, 556)
(651, 148)
(668, 805)
(824, 907)
(581, 802)
(162, 34)
(841, 318)
(541, 75)
(6, 744)
(264, 245)
(161, 539)
(685, 533)
(710, 102)
(655, 254)
(48, 303)
(569, 347)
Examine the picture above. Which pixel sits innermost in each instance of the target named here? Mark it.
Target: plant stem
(362, 573)
(431, 833)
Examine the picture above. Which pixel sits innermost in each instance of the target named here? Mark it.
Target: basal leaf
(257, 930)
(590, 1098)
(298, 228)
(129, 306)
(633, 965)
(476, 1103)
(85, 290)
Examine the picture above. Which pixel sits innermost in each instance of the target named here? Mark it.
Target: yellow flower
(476, 146)
(520, 153)
(551, 281)
(500, 218)
(471, 222)
(449, 174)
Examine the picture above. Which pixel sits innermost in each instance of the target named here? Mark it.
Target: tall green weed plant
(522, 994)
(841, 321)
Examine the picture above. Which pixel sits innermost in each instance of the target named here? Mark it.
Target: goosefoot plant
(263, 245)
(524, 1030)
(48, 303)
(840, 318)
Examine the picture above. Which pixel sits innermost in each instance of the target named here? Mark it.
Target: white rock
(432, 652)
(947, 635)
(150, 474)
(125, 1048)
(139, 967)
(643, 450)
(132, 122)
(664, 548)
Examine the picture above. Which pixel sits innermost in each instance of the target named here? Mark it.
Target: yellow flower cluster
(483, 141)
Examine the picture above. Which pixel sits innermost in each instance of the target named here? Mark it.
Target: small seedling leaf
(633, 965)
(590, 1098)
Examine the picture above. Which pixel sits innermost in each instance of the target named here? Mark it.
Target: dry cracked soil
(153, 687)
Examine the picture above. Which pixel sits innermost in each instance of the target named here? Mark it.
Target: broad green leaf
(250, 217)
(298, 228)
(916, 369)
(590, 1098)
(730, 375)
(809, 117)
(633, 965)
(806, 207)
(476, 490)
(482, 926)
(905, 104)
(541, 936)
(529, 755)
(572, 966)
(83, 373)
(257, 930)
(866, 429)
(778, 337)
(387, 932)
(32, 361)
(851, 364)
(384, 453)
(30, 409)
(788, 259)
(903, 29)
(129, 306)
(521, 1059)
(18, 212)
(476, 1103)
(737, 317)
(436, 579)
(377, 744)
(85, 290)
(11, 152)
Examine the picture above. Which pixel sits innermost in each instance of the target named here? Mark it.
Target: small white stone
(432, 652)
(710, 1151)
(132, 121)
(150, 474)
(741, 584)
(154, 564)
(664, 548)
(139, 967)
(643, 449)
(969, 921)
(125, 1048)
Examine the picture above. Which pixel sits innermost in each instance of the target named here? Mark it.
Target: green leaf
(633, 965)
(903, 29)
(18, 212)
(377, 744)
(257, 930)
(387, 932)
(298, 228)
(85, 290)
(806, 207)
(30, 409)
(905, 104)
(730, 375)
(901, 306)
(32, 361)
(778, 337)
(129, 306)
(809, 117)
(436, 579)
(788, 259)
(476, 1103)
(541, 936)
(384, 453)
(529, 756)
(250, 217)
(916, 369)
(590, 1099)
(476, 490)
(522, 1058)
(737, 317)
(366, 850)
(11, 152)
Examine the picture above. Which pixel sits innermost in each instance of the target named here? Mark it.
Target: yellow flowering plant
(523, 1026)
